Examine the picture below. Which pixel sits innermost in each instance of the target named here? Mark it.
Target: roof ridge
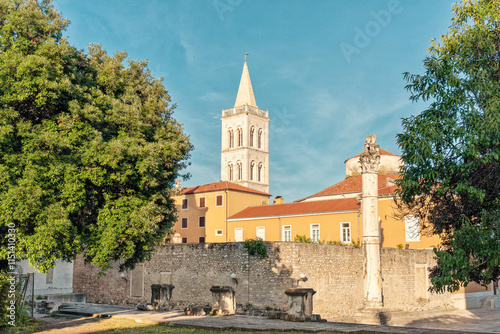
(223, 185)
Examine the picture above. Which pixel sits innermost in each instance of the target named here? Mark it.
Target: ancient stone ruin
(161, 294)
(223, 301)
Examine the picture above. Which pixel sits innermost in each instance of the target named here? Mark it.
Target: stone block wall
(335, 272)
(405, 280)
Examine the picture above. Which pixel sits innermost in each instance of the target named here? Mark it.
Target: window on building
(240, 137)
(240, 171)
(184, 222)
(287, 233)
(252, 132)
(201, 240)
(231, 138)
(184, 240)
(261, 232)
(201, 222)
(238, 234)
(259, 139)
(202, 202)
(345, 232)
(230, 172)
(315, 237)
(412, 228)
(218, 200)
(184, 203)
(218, 232)
(259, 173)
(252, 170)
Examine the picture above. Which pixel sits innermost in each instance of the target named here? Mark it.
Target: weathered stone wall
(405, 280)
(335, 272)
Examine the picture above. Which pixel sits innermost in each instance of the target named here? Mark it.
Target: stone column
(370, 160)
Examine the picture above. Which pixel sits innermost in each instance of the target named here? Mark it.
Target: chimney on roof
(278, 200)
(178, 185)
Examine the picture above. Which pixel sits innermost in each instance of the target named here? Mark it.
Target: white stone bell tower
(245, 134)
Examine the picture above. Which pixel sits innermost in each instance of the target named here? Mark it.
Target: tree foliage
(451, 150)
(89, 150)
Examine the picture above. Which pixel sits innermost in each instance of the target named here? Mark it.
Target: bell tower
(245, 134)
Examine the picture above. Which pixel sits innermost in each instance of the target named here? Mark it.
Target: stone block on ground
(275, 314)
(196, 311)
(145, 307)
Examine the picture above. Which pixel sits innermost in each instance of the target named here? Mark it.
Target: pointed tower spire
(245, 92)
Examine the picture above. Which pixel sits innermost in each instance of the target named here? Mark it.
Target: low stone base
(373, 316)
(51, 303)
(292, 317)
(222, 312)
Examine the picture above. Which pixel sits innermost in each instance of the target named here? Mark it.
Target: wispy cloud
(216, 97)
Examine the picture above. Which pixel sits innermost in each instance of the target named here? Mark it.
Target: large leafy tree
(451, 150)
(89, 151)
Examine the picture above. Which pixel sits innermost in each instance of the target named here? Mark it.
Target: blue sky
(328, 71)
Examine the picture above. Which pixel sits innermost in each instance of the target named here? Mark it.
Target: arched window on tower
(259, 173)
(240, 170)
(231, 138)
(240, 137)
(252, 132)
(230, 171)
(259, 139)
(252, 170)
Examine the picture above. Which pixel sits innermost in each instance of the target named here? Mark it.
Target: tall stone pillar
(372, 281)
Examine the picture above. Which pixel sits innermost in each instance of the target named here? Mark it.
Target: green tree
(451, 150)
(89, 151)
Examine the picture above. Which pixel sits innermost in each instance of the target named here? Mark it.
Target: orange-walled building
(202, 210)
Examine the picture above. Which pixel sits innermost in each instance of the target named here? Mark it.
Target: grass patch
(29, 327)
(98, 325)
(162, 329)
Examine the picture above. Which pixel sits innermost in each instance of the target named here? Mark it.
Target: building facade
(202, 211)
(334, 215)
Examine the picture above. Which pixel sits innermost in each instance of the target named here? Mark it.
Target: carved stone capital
(370, 158)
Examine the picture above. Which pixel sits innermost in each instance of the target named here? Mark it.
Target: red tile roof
(333, 205)
(223, 185)
(353, 185)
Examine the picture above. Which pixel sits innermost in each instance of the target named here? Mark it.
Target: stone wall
(405, 280)
(335, 272)
(56, 280)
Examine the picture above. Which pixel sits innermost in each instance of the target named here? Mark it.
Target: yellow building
(317, 220)
(202, 210)
(334, 214)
